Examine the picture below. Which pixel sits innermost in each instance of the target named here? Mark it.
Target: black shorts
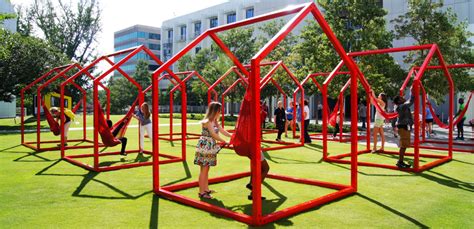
(289, 119)
(429, 120)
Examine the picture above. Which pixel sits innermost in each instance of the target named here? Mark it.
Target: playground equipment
(439, 159)
(51, 76)
(253, 139)
(435, 117)
(101, 129)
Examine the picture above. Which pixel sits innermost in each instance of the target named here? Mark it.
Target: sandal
(205, 195)
(210, 191)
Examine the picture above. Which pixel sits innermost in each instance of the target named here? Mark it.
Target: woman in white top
(379, 121)
(306, 118)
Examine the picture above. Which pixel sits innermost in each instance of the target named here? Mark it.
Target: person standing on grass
(379, 122)
(280, 119)
(404, 120)
(264, 113)
(428, 121)
(336, 126)
(289, 118)
(460, 125)
(68, 117)
(306, 117)
(362, 113)
(207, 147)
(143, 115)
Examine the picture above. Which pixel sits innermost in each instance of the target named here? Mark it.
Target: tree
(6, 16)
(359, 25)
(427, 23)
(72, 29)
(142, 75)
(122, 95)
(22, 59)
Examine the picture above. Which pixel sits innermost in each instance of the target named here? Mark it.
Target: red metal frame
(433, 50)
(189, 75)
(73, 159)
(424, 99)
(50, 77)
(257, 218)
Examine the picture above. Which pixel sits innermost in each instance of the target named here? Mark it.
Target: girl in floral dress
(207, 147)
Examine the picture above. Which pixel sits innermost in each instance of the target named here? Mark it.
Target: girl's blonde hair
(146, 110)
(212, 111)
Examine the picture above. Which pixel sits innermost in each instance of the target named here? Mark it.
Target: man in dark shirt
(404, 120)
(280, 119)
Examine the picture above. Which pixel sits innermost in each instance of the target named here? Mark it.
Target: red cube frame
(440, 159)
(256, 218)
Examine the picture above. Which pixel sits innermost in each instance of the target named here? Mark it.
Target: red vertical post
(184, 114)
(155, 130)
(341, 114)
(38, 120)
(96, 125)
(325, 121)
(84, 114)
(171, 113)
(108, 102)
(22, 118)
(255, 139)
(61, 127)
(354, 139)
(416, 143)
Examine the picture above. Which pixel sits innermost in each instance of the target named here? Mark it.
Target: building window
(154, 36)
(213, 22)
(197, 29)
(249, 13)
(197, 49)
(154, 46)
(170, 36)
(182, 36)
(141, 35)
(231, 18)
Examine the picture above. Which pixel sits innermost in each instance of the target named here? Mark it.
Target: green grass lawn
(38, 190)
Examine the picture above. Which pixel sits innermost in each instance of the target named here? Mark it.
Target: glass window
(231, 18)
(249, 13)
(141, 35)
(170, 35)
(183, 33)
(125, 46)
(154, 46)
(213, 22)
(197, 28)
(154, 36)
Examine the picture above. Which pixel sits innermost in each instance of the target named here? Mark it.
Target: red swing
(105, 132)
(53, 125)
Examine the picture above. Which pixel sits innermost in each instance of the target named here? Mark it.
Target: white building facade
(179, 31)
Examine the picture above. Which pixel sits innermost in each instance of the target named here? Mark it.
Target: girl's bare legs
(203, 179)
(375, 130)
(382, 136)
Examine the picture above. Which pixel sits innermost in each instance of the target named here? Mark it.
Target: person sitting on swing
(116, 131)
(69, 115)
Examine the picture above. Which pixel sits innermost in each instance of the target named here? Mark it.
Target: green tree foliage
(359, 25)
(122, 94)
(282, 52)
(73, 29)
(427, 23)
(23, 59)
(6, 16)
(142, 74)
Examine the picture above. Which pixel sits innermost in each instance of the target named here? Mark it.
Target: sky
(117, 15)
